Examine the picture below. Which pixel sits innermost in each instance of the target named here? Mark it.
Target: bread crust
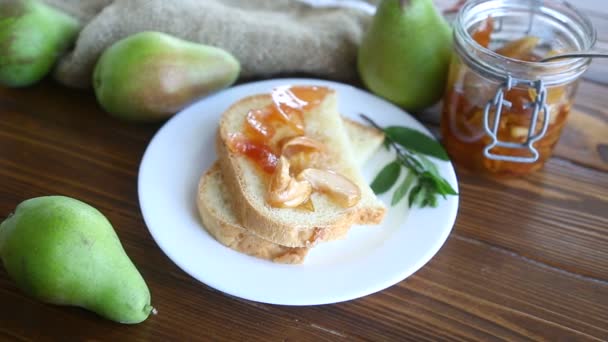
(237, 237)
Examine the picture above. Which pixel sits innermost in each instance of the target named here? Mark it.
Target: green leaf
(428, 164)
(420, 197)
(428, 195)
(414, 161)
(416, 141)
(442, 186)
(431, 182)
(386, 178)
(431, 200)
(446, 188)
(413, 194)
(403, 188)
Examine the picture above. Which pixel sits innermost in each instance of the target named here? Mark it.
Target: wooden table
(527, 259)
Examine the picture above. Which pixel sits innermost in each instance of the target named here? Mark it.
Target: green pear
(32, 36)
(404, 56)
(63, 251)
(151, 75)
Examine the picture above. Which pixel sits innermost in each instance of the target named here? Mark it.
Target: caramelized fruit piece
(341, 189)
(295, 193)
(462, 124)
(285, 191)
(282, 119)
(304, 160)
(555, 95)
(286, 111)
(521, 49)
(280, 127)
(484, 32)
(520, 100)
(291, 101)
(303, 152)
(257, 124)
(257, 151)
(300, 144)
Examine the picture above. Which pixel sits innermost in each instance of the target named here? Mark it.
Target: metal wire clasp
(539, 105)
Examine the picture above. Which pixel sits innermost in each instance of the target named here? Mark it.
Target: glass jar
(503, 109)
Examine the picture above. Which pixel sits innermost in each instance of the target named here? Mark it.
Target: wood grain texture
(584, 140)
(558, 217)
(527, 260)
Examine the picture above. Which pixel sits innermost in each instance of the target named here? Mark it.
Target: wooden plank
(598, 70)
(527, 258)
(77, 164)
(186, 310)
(556, 216)
(48, 105)
(469, 291)
(591, 98)
(584, 141)
(573, 238)
(473, 291)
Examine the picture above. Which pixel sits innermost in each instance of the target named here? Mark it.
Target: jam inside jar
(498, 47)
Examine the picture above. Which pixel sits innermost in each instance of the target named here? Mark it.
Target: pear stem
(151, 309)
(404, 3)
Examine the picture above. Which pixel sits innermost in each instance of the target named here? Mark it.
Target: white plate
(370, 259)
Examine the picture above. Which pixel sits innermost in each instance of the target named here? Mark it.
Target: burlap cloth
(268, 37)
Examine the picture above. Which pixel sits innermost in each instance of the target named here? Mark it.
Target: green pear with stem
(404, 56)
(63, 251)
(149, 76)
(33, 36)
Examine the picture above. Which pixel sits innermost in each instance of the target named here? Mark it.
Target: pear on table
(63, 251)
(404, 56)
(32, 36)
(151, 75)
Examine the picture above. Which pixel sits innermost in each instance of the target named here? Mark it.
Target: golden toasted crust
(235, 236)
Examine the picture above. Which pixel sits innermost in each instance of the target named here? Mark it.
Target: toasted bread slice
(363, 139)
(213, 201)
(294, 227)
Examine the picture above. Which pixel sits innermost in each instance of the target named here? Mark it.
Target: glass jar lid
(558, 26)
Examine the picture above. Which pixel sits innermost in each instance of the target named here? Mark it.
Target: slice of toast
(294, 227)
(213, 202)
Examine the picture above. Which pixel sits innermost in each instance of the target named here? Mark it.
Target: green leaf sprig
(423, 182)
